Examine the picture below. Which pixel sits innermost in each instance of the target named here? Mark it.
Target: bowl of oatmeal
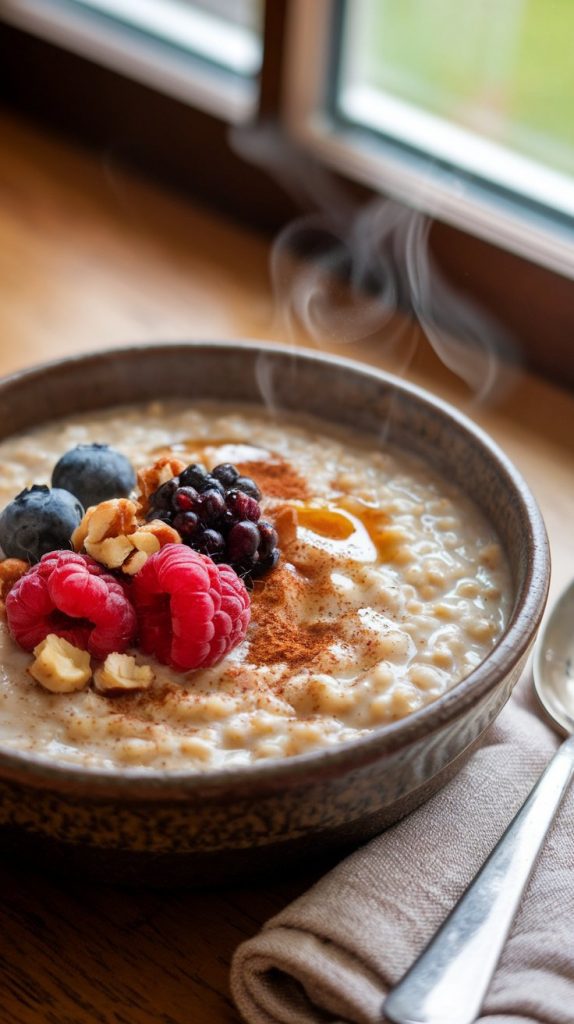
(403, 570)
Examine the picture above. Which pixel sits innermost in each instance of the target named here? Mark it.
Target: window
(206, 52)
(225, 32)
(458, 110)
(484, 86)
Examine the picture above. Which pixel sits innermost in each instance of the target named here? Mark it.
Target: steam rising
(342, 275)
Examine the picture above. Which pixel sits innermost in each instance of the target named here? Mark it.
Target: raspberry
(191, 612)
(70, 595)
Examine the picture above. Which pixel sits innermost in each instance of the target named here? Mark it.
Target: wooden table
(90, 258)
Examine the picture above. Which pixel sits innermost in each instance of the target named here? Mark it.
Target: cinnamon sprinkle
(276, 635)
(276, 478)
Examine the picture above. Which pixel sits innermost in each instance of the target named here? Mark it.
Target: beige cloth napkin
(332, 955)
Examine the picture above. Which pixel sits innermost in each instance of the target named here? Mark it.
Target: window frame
(97, 36)
(195, 151)
(484, 210)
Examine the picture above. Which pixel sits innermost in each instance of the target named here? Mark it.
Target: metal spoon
(448, 982)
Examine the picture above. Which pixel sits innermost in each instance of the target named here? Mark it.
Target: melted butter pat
(350, 528)
(337, 532)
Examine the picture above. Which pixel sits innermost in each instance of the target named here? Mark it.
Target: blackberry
(184, 499)
(218, 514)
(226, 474)
(241, 506)
(242, 543)
(163, 497)
(210, 542)
(267, 539)
(248, 486)
(195, 475)
(210, 507)
(265, 565)
(186, 524)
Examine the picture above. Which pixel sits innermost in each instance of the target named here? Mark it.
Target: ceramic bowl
(167, 828)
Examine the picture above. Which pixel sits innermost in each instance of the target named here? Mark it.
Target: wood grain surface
(91, 258)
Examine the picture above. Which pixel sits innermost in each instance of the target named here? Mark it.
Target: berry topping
(194, 476)
(186, 524)
(268, 539)
(71, 596)
(248, 486)
(212, 543)
(210, 507)
(242, 506)
(226, 474)
(242, 542)
(164, 496)
(185, 498)
(94, 473)
(191, 612)
(218, 514)
(38, 520)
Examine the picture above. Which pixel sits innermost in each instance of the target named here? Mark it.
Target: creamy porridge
(391, 588)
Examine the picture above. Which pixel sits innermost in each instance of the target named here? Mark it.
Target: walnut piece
(11, 569)
(112, 534)
(285, 522)
(121, 674)
(114, 518)
(152, 477)
(59, 666)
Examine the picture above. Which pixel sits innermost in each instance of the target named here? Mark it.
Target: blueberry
(94, 473)
(248, 486)
(39, 520)
(226, 474)
(194, 476)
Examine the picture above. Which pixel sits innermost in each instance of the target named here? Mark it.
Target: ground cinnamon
(276, 478)
(276, 634)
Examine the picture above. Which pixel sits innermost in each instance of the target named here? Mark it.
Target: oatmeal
(390, 589)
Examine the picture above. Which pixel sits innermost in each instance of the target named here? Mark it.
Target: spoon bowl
(449, 980)
(553, 668)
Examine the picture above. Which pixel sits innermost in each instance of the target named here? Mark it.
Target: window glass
(485, 85)
(224, 32)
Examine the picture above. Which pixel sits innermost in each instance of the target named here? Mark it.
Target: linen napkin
(332, 955)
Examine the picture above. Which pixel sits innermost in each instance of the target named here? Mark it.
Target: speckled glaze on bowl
(168, 828)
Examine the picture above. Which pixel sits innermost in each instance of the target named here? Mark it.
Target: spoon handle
(448, 981)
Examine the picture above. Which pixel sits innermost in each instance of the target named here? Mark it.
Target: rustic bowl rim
(38, 771)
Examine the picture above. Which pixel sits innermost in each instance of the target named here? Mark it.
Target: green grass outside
(504, 68)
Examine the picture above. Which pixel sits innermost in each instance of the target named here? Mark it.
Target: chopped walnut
(60, 666)
(114, 518)
(121, 674)
(285, 522)
(152, 477)
(11, 569)
(163, 533)
(111, 533)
